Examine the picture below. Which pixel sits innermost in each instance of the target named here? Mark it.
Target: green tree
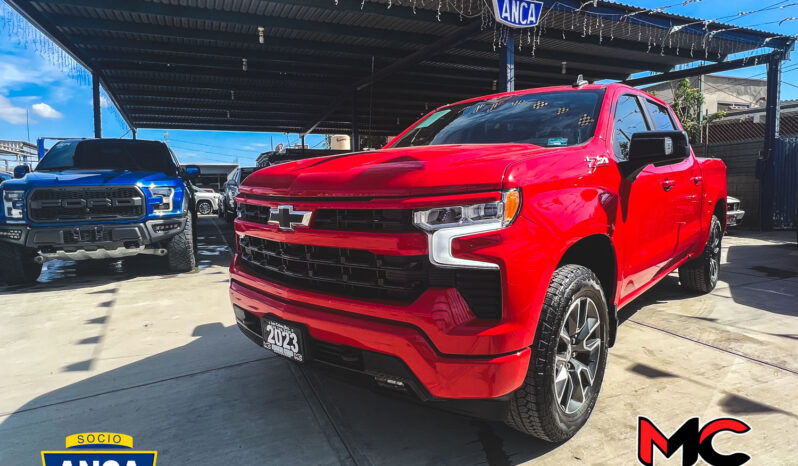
(687, 102)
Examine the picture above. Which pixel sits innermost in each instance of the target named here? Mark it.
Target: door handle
(697, 179)
(667, 185)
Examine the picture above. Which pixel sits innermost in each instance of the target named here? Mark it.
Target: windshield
(552, 119)
(140, 156)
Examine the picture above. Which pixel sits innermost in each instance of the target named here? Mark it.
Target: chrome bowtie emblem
(287, 218)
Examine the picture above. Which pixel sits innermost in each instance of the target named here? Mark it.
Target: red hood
(412, 171)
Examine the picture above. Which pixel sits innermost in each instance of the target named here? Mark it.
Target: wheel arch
(597, 253)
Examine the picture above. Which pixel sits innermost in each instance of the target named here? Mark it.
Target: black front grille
(367, 220)
(80, 203)
(364, 275)
(363, 220)
(350, 272)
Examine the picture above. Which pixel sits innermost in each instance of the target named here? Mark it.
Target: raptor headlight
(167, 198)
(13, 203)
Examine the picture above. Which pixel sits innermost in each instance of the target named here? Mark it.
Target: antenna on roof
(580, 81)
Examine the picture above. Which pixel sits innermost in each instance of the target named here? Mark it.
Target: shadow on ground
(259, 410)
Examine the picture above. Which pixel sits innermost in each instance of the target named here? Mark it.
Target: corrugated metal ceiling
(178, 63)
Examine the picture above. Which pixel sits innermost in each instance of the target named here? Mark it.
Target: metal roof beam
(702, 70)
(161, 63)
(180, 95)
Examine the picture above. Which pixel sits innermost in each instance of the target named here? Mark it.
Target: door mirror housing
(192, 172)
(20, 171)
(655, 148)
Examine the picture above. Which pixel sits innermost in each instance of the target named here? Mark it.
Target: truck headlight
(13, 203)
(167, 196)
(444, 224)
(500, 213)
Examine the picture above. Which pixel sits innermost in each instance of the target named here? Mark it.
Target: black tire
(204, 208)
(17, 266)
(229, 217)
(701, 273)
(535, 408)
(181, 249)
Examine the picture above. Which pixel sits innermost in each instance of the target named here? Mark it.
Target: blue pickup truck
(97, 199)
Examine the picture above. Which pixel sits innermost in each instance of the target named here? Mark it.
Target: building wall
(719, 91)
(740, 159)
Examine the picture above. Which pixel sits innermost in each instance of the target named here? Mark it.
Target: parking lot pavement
(118, 346)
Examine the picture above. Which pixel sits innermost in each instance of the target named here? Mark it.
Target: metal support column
(135, 132)
(772, 122)
(355, 144)
(507, 65)
(95, 93)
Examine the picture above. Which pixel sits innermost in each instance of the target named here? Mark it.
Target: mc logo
(82, 450)
(694, 442)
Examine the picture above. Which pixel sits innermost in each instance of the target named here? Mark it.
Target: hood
(406, 172)
(90, 178)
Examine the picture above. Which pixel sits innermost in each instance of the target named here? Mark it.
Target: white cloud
(46, 111)
(104, 102)
(10, 113)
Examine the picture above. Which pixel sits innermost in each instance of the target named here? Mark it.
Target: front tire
(569, 356)
(701, 274)
(181, 249)
(17, 266)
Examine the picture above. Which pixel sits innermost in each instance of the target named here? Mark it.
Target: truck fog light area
(13, 203)
(11, 234)
(389, 382)
(164, 227)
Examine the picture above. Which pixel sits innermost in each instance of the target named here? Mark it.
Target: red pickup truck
(479, 260)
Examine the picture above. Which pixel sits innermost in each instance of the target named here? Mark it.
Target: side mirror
(192, 172)
(657, 148)
(20, 171)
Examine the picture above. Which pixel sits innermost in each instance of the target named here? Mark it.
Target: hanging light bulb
(232, 95)
(244, 64)
(228, 114)
(565, 67)
(260, 34)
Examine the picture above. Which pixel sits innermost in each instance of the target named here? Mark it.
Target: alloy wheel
(204, 208)
(578, 352)
(714, 258)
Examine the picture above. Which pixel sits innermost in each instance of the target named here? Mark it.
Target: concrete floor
(118, 347)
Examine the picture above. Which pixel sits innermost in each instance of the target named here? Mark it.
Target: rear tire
(181, 249)
(17, 266)
(569, 356)
(701, 273)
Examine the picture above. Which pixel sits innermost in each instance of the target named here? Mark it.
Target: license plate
(283, 339)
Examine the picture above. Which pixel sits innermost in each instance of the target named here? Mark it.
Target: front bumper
(734, 217)
(438, 376)
(91, 241)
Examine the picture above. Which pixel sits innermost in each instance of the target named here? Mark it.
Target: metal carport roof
(180, 63)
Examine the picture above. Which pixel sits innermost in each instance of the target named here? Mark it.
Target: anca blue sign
(517, 13)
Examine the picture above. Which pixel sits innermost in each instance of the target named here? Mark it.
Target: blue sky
(59, 105)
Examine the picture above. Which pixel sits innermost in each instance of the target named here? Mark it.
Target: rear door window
(661, 116)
